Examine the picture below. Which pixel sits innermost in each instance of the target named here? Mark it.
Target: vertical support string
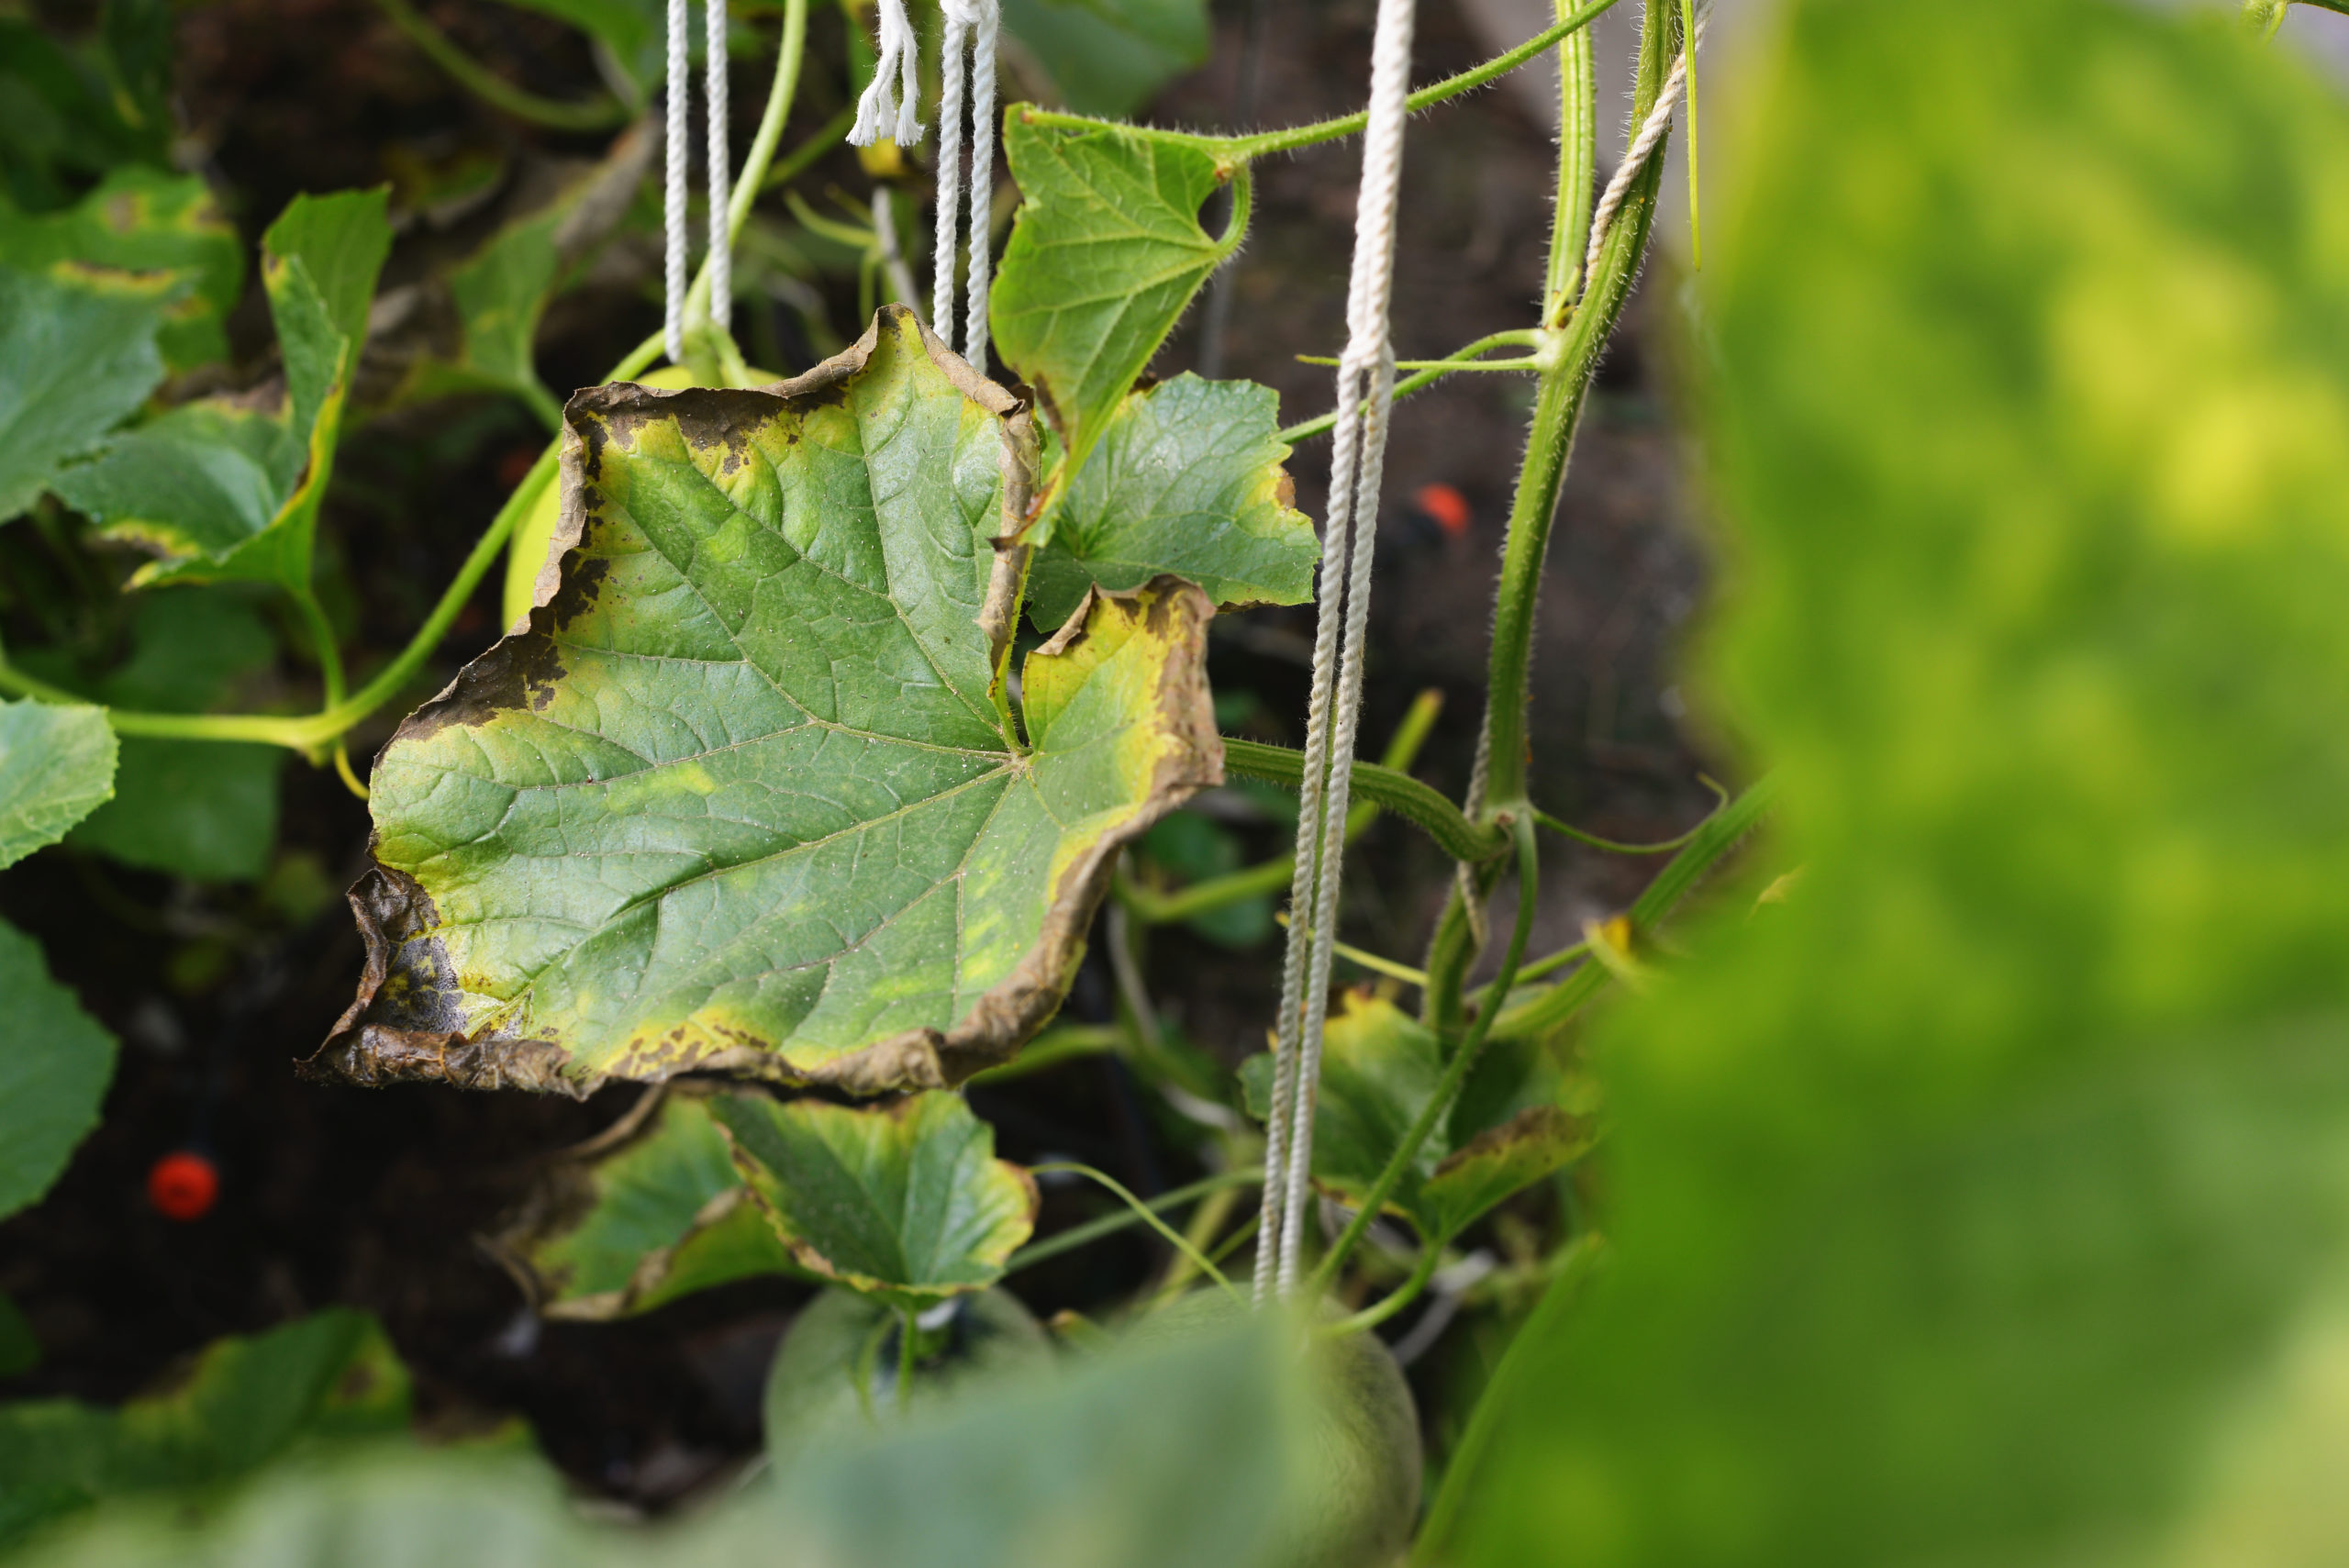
(721, 163)
(1366, 398)
(680, 91)
(982, 194)
(957, 21)
(974, 24)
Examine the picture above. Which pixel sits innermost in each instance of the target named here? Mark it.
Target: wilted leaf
(77, 356)
(55, 1063)
(1187, 479)
(1107, 254)
(904, 1200)
(205, 810)
(56, 767)
(246, 1402)
(143, 220)
(1379, 1069)
(652, 1216)
(225, 489)
(1983, 1201)
(742, 796)
(1108, 56)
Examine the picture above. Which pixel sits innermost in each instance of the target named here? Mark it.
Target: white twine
(976, 22)
(1635, 157)
(882, 113)
(721, 159)
(673, 195)
(1365, 399)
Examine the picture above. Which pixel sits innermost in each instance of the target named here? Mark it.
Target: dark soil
(375, 1199)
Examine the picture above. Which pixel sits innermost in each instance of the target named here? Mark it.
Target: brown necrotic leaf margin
(403, 1026)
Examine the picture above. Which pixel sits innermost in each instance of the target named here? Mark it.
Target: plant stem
(1557, 409)
(1322, 425)
(825, 137)
(1077, 1236)
(1398, 792)
(1577, 169)
(1395, 1300)
(1450, 87)
(908, 1332)
(1543, 819)
(591, 114)
(1148, 1216)
(1540, 1325)
(1456, 1073)
(1720, 833)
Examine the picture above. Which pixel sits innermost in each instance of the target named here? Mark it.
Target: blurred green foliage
(1985, 1200)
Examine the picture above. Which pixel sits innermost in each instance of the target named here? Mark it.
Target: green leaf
(1108, 57)
(69, 119)
(20, 1347)
(657, 1214)
(1173, 1459)
(222, 490)
(205, 809)
(56, 767)
(743, 796)
(1105, 256)
(1380, 1067)
(1188, 480)
(246, 1402)
(904, 1200)
(631, 29)
(77, 355)
(53, 1071)
(1984, 1200)
(142, 221)
(835, 1370)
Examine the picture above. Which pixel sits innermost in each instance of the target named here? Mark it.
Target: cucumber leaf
(56, 767)
(143, 220)
(228, 490)
(1104, 258)
(1380, 1067)
(204, 809)
(903, 1201)
(745, 793)
(54, 1069)
(837, 1367)
(655, 1214)
(247, 1401)
(77, 356)
(1108, 56)
(1188, 480)
(1984, 1200)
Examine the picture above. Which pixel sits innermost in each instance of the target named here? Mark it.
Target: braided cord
(673, 213)
(721, 159)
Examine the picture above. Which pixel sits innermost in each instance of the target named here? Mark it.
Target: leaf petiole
(1146, 1214)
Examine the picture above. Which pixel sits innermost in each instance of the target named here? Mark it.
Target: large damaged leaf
(652, 1212)
(745, 793)
(1380, 1070)
(1188, 480)
(229, 488)
(902, 1201)
(1105, 256)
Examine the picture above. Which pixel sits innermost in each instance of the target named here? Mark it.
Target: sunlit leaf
(55, 1063)
(1984, 1199)
(1106, 57)
(77, 356)
(225, 489)
(56, 767)
(246, 1402)
(745, 795)
(1107, 254)
(904, 1200)
(1188, 480)
(142, 221)
(1380, 1067)
(653, 1215)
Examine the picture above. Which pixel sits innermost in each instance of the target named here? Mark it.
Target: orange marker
(1446, 506)
(183, 1186)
